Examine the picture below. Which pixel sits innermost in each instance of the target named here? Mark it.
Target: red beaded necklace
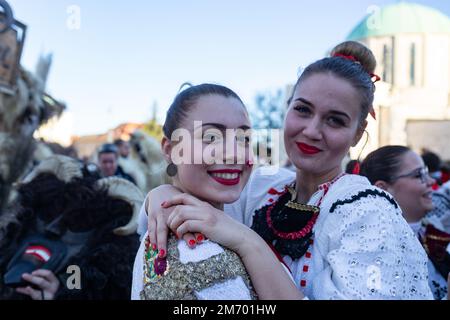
(301, 208)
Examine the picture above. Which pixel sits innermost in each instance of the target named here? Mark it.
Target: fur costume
(146, 163)
(20, 115)
(62, 197)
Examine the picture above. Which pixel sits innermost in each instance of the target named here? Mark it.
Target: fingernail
(192, 243)
(200, 238)
(176, 236)
(161, 253)
(163, 204)
(154, 247)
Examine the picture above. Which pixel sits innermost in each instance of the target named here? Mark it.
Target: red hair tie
(356, 168)
(352, 58)
(377, 77)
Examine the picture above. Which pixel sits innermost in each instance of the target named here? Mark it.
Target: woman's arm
(268, 275)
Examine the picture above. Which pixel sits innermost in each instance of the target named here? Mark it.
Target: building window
(387, 64)
(412, 65)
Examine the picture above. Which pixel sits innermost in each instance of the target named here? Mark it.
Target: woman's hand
(191, 215)
(270, 279)
(44, 280)
(158, 211)
(448, 286)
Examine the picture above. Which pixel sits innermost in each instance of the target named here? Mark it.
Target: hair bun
(359, 51)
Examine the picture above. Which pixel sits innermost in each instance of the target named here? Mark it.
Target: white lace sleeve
(138, 271)
(142, 220)
(370, 253)
(254, 195)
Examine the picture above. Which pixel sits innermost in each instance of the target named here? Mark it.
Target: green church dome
(401, 17)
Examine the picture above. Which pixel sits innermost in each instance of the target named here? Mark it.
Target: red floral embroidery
(274, 191)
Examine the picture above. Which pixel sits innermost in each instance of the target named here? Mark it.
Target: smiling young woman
(196, 137)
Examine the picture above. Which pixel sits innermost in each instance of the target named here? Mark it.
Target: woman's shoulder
(352, 201)
(354, 190)
(272, 176)
(267, 178)
(264, 185)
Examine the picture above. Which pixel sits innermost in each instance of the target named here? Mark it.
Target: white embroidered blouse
(362, 246)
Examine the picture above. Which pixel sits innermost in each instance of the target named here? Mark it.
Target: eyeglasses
(420, 173)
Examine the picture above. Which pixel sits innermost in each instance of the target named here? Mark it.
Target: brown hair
(353, 62)
(383, 163)
(185, 99)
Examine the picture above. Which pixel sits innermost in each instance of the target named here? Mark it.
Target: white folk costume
(360, 247)
(441, 210)
(357, 247)
(208, 272)
(436, 242)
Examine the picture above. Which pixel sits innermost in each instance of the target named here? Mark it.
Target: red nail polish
(200, 238)
(154, 247)
(161, 253)
(192, 243)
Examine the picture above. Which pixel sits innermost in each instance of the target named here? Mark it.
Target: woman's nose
(313, 130)
(233, 151)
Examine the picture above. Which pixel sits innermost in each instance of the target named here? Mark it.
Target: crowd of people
(226, 228)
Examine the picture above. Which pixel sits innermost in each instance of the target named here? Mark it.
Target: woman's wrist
(250, 244)
(156, 196)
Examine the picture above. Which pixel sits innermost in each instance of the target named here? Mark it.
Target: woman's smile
(228, 177)
(307, 149)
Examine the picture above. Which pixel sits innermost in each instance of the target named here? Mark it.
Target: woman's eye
(211, 138)
(302, 109)
(243, 139)
(418, 175)
(336, 122)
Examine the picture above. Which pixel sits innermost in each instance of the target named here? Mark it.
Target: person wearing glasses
(402, 172)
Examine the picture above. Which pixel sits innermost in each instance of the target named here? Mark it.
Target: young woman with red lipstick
(340, 237)
(195, 142)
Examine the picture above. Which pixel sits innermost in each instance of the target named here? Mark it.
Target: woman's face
(412, 190)
(322, 122)
(218, 130)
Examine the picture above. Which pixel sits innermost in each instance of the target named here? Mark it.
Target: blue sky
(127, 55)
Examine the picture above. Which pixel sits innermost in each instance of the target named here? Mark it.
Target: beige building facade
(412, 46)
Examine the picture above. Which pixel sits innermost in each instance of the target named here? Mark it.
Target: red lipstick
(307, 149)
